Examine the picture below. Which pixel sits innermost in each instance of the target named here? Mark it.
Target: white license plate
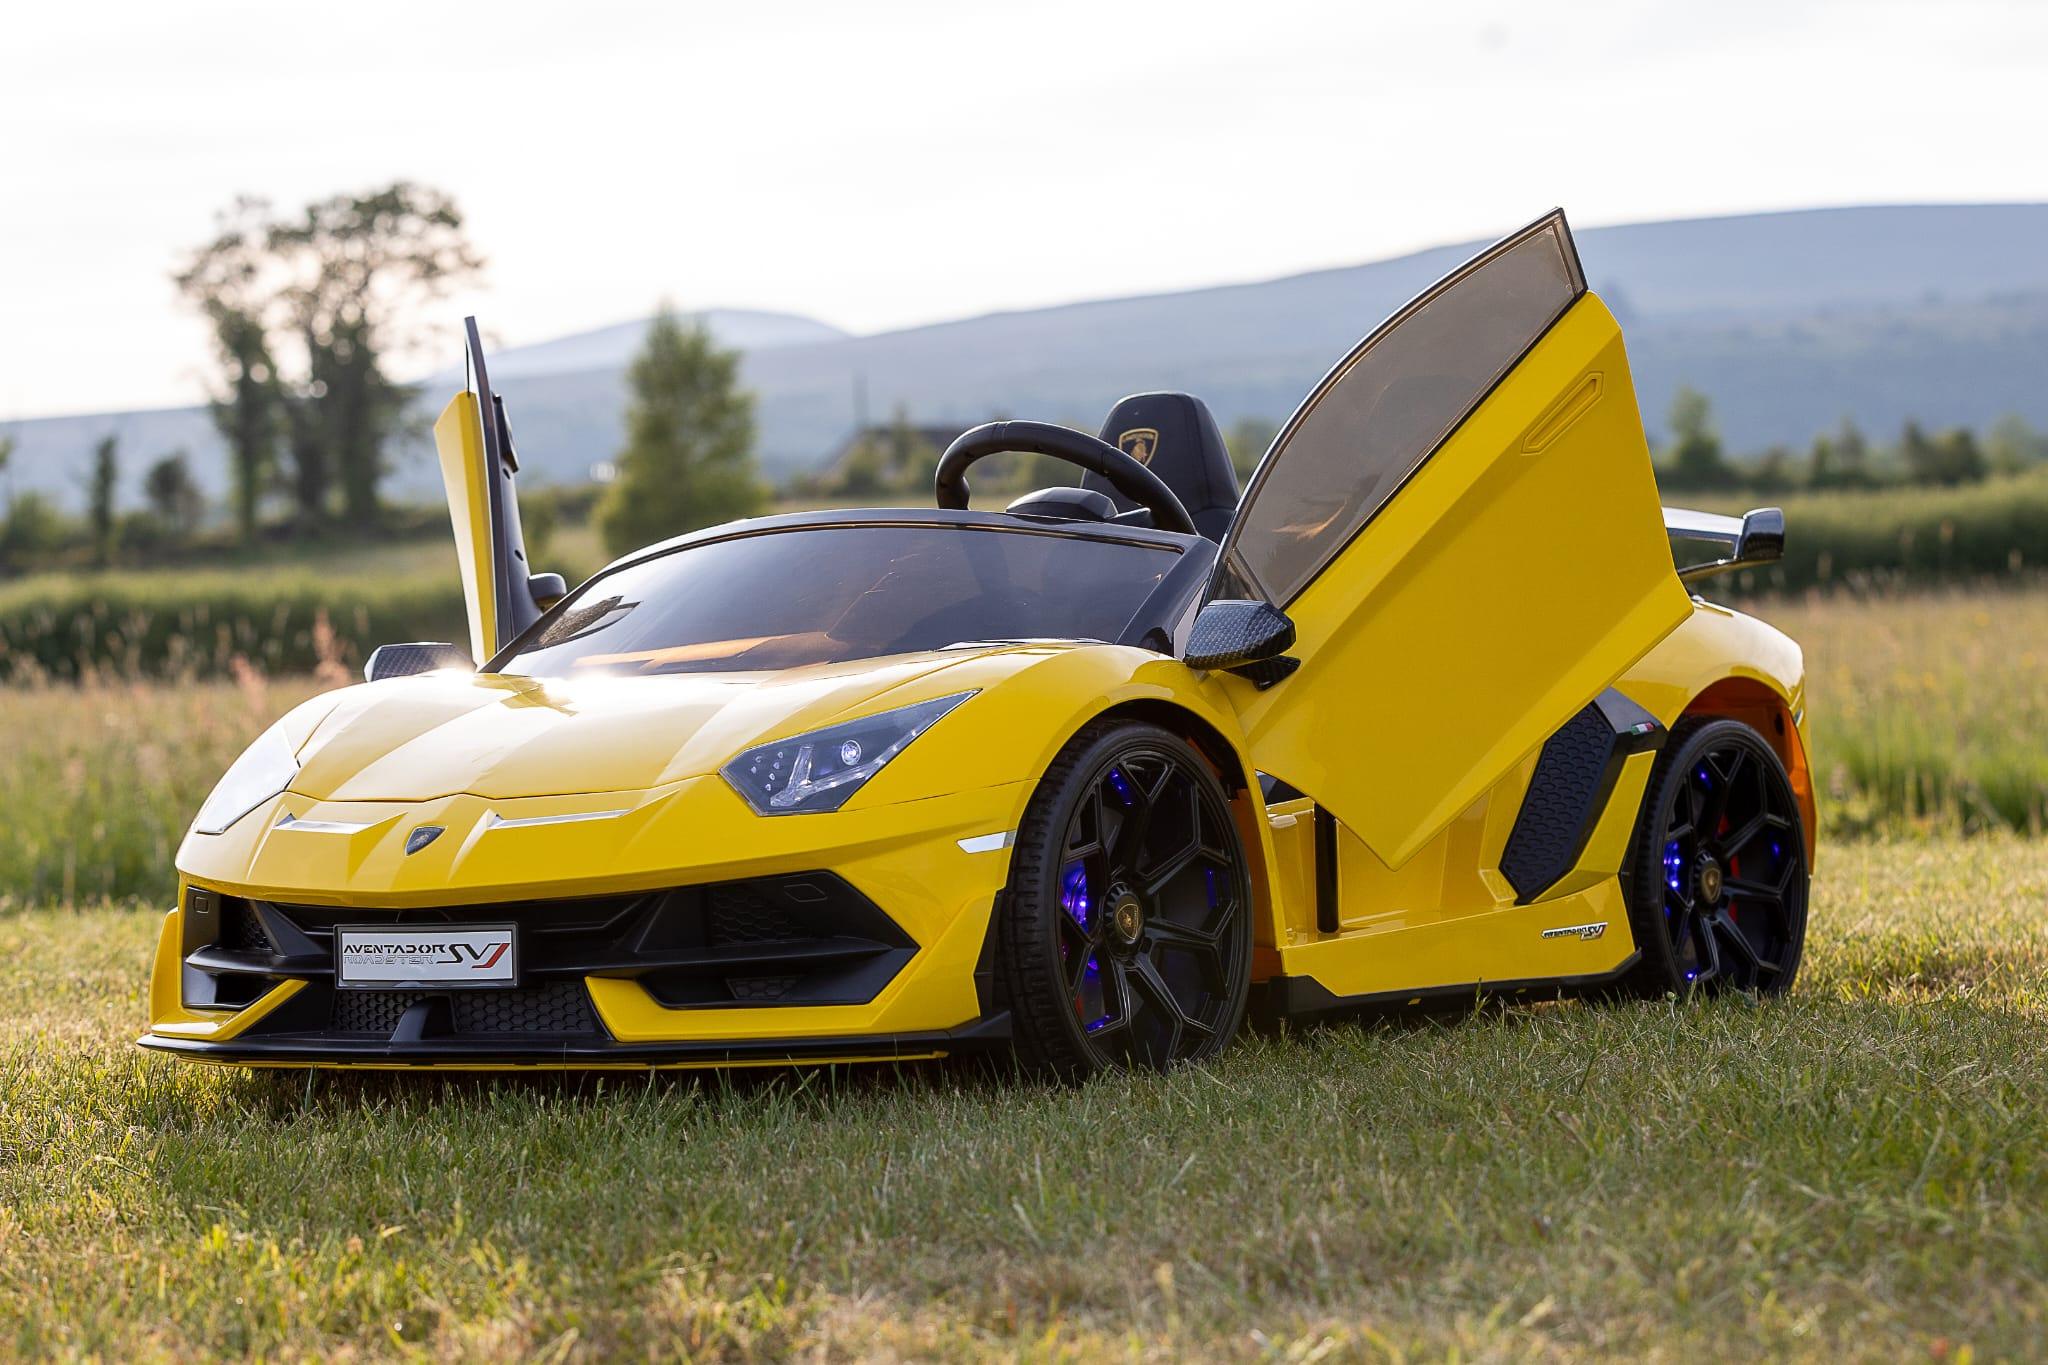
(457, 955)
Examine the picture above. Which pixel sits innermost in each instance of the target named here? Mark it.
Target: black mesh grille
(740, 913)
(240, 930)
(558, 1007)
(760, 987)
(375, 1012)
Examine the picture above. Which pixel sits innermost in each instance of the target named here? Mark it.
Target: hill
(1789, 321)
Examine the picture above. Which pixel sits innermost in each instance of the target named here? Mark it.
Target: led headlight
(264, 769)
(820, 770)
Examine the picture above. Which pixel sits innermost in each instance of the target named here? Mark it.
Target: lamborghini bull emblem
(421, 837)
(1139, 443)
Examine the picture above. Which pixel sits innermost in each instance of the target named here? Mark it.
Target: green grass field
(1854, 1172)
(1927, 717)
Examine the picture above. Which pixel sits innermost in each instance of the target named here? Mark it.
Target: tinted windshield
(810, 595)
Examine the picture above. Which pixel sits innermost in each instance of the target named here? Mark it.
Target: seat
(1176, 437)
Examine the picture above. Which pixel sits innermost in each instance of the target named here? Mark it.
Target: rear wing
(1755, 537)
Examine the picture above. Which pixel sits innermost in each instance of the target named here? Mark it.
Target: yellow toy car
(1427, 713)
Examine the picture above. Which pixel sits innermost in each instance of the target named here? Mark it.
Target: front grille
(559, 1008)
(240, 930)
(740, 912)
(801, 939)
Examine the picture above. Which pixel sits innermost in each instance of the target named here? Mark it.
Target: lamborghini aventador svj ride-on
(1427, 712)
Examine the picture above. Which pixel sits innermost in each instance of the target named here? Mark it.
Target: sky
(893, 162)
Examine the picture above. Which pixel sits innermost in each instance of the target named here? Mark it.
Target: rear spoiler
(1756, 537)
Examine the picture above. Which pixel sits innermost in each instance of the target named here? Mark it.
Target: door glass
(1382, 412)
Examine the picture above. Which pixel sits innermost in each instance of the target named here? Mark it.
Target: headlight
(264, 769)
(820, 770)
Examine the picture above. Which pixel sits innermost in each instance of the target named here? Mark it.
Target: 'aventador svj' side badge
(1139, 443)
(421, 837)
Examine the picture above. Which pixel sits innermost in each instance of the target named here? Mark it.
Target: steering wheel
(1125, 474)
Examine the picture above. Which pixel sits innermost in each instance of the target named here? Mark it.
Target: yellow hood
(415, 739)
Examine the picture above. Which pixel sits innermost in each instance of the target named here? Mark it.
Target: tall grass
(1929, 712)
(1928, 715)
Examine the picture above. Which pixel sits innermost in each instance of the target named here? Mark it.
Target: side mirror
(404, 661)
(547, 589)
(1246, 638)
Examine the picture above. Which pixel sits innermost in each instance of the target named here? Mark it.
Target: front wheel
(1718, 877)
(1126, 929)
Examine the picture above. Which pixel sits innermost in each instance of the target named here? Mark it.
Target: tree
(1773, 473)
(100, 488)
(689, 454)
(34, 530)
(1247, 441)
(2012, 446)
(1951, 458)
(1841, 460)
(1696, 457)
(232, 282)
(357, 265)
(333, 290)
(172, 494)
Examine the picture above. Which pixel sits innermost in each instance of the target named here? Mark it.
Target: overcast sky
(882, 163)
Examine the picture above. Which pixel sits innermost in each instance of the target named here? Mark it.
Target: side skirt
(1303, 999)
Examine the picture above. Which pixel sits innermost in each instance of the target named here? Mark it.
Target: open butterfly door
(1463, 523)
(502, 595)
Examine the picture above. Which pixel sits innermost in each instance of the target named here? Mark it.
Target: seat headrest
(1175, 436)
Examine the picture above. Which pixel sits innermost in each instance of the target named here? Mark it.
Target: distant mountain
(612, 348)
(1788, 321)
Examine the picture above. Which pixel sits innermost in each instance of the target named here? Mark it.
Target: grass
(1929, 710)
(1927, 717)
(1855, 1171)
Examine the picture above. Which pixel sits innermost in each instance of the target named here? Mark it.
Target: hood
(415, 739)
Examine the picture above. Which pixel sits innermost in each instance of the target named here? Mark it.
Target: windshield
(812, 595)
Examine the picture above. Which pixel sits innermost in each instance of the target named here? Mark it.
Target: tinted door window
(1374, 420)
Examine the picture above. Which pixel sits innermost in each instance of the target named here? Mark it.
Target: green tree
(1951, 458)
(173, 495)
(356, 268)
(232, 281)
(2013, 445)
(334, 291)
(34, 530)
(689, 454)
(1774, 472)
(912, 460)
(1247, 441)
(1696, 459)
(100, 489)
(1841, 460)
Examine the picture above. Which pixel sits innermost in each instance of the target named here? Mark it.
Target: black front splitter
(304, 1049)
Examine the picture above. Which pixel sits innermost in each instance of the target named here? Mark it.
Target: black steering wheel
(1125, 474)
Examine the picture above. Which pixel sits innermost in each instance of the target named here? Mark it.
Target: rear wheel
(1126, 930)
(1718, 876)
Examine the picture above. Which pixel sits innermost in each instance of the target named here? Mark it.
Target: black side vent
(1574, 775)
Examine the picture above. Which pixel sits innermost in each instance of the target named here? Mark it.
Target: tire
(1717, 876)
(1124, 936)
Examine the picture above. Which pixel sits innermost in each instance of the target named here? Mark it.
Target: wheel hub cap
(1710, 881)
(1127, 918)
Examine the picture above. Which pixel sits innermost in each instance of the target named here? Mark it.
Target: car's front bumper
(345, 862)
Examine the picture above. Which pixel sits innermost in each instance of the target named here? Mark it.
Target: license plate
(452, 955)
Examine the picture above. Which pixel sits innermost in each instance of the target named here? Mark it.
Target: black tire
(1124, 937)
(1717, 874)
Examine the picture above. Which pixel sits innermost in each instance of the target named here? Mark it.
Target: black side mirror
(403, 661)
(1246, 638)
(547, 589)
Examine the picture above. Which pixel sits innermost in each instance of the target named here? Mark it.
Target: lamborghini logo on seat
(1139, 443)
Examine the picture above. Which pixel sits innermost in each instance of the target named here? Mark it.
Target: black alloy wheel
(1718, 872)
(1126, 931)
